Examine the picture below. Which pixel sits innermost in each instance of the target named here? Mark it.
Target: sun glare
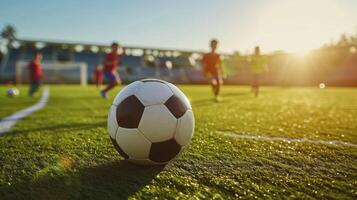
(300, 26)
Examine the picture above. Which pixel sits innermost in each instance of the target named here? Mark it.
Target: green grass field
(64, 152)
(11, 105)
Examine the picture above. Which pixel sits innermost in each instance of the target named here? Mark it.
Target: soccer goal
(55, 73)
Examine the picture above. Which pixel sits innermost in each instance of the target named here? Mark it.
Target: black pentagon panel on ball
(176, 106)
(164, 151)
(117, 147)
(129, 112)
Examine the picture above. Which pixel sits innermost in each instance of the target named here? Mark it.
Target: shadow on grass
(225, 97)
(116, 180)
(234, 94)
(61, 127)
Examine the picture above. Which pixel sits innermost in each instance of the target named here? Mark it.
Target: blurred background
(305, 43)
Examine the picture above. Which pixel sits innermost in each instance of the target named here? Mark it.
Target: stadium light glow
(148, 51)
(137, 52)
(120, 51)
(40, 45)
(155, 53)
(78, 48)
(128, 52)
(150, 58)
(107, 50)
(94, 49)
(196, 56)
(16, 44)
(168, 53)
(176, 53)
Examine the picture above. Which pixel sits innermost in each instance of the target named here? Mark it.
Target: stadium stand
(132, 67)
(333, 66)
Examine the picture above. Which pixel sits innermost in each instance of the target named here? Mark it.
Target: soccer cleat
(103, 94)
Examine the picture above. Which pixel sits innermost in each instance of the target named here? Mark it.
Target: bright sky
(293, 26)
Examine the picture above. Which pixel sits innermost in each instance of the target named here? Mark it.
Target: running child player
(35, 73)
(258, 66)
(110, 72)
(212, 68)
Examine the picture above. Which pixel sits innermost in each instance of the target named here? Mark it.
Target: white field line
(283, 139)
(7, 123)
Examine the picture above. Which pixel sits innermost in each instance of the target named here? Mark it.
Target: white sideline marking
(302, 140)
(7, 123)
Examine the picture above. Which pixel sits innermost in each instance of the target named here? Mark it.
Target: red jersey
(98, 74)
(111, 57)
(35, 71)
(211, 62)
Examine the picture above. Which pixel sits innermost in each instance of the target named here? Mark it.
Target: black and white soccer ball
(12, 92)
(150, 122)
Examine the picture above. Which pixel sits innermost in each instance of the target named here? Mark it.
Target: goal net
(55, 73)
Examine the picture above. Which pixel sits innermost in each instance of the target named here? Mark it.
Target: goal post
(55, 73)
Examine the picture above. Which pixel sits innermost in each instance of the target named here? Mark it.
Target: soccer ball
(12, 92)
(150, 122)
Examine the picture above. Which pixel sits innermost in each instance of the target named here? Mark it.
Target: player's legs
(256, 91)
(34, 85)
(117, 78)
(113, 79)
(255, 85)
(216, 83)
(99, 82)
(219, 85)
(32, 89)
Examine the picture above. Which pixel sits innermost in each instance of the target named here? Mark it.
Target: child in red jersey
(110, 72)
(35, 73)
(98, 76)
(212, 68)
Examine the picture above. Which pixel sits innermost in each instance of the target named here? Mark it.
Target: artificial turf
(9, 105)
(64, 152)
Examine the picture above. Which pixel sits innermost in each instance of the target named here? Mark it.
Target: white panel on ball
(112, 121)
(127, 91)
(151, 93)
(185, 128)
(157, 123)
(180, 95)
(133, 143)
